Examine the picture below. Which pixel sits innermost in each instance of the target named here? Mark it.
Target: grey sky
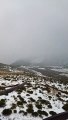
(33, 28)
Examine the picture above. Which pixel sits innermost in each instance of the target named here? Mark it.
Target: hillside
(19, 63)
(2, 65)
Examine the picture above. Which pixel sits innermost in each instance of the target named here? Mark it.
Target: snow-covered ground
(63, 71)
(39, 92)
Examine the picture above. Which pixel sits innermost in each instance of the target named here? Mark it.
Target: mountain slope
(3, 65)
(20, 63)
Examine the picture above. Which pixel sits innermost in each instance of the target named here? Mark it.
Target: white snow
(39, 83)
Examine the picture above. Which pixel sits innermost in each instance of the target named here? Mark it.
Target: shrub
(25, 113)
(61, 99)
(49, 97)
(49, 106)
(30, 108)
(13, 106)
(27, 95)
(32, 100)
(65, 107)
(39, 97)
(7, 112)
(2, 103)
(15, 111)
(21, 99)
(44, 101)
(21, 111)
(30, 92)
(38, 105)
(52, 113)
(35, 114)
(19, 103)
(19, 91)
(39, 111)
(57, 95)
(48, 89)
(40, 91)
(42, 113)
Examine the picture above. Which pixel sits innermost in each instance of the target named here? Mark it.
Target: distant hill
(65, 66)
(42, 63)
(21, 63)
(27, 62)
(2, 65)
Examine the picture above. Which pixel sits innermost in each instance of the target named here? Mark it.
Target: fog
(33, 29)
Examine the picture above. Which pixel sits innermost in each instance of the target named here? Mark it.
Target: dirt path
(4, 92)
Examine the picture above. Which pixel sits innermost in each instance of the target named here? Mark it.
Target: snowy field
(39, 98)
(63, 71)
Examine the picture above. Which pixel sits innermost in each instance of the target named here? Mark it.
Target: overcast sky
(33, 28)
